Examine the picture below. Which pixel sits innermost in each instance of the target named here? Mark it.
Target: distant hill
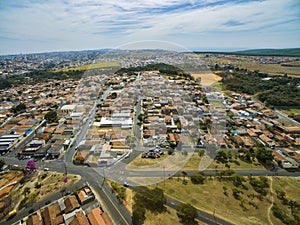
(292, 52)
(270, 52)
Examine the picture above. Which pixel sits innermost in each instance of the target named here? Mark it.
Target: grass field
(139, 161)
(195, 160)
(289, 112)
(166, 162)
(167, 218)
(98, 65)
(291, 187)
(249, 210)
(271, 69)
(170, 163)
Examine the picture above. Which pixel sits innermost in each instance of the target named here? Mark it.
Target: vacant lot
(207, 79)
(166, 162)
(139, 161)
(193, 161)
(250, 209)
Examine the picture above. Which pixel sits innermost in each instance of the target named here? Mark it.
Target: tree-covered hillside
(39, 76)
(280, 91)
(161, 67)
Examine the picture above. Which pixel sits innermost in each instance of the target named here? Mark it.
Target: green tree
(51, 116)
(236, 193)
(138, 213)
(221, 157)
(153, 199)
(130, 140)
(263, 155)
(198, 178)
(19, 108)
(114, 95)
(260, 185)
(26, 191)
(201, 152)
(119, 190)
(186, 213)
(4, 83)
(237, 180)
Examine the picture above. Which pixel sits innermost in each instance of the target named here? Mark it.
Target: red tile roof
(79, 219)
(71, 203)
(95, 217)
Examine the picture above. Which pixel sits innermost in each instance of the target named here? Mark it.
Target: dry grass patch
(45, 183)
(9, 178)
(207, 79)
(195, 160)
(139, 161)
(129, 200)
(210, 196)
(167, 218)
(98, 65)
(290, 186)
(190, 162)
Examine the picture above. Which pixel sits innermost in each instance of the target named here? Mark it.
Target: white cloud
(99, 23)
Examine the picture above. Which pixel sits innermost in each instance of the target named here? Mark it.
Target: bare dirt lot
(207, 79)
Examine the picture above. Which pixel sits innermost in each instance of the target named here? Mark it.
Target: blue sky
(59, 25)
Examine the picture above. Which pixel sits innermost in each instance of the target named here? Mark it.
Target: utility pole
(214, 215)
(164, 176)
(66, 171)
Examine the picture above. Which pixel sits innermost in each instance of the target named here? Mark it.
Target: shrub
(236, 193)
(44, 175)
(198, 178)
(186, 213)
(170, 151)
(37, 185)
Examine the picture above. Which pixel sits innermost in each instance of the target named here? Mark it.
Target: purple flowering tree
(30, 166)
(65, 180)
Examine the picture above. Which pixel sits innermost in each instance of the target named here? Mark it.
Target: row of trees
(283, 215)
(263, 155)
